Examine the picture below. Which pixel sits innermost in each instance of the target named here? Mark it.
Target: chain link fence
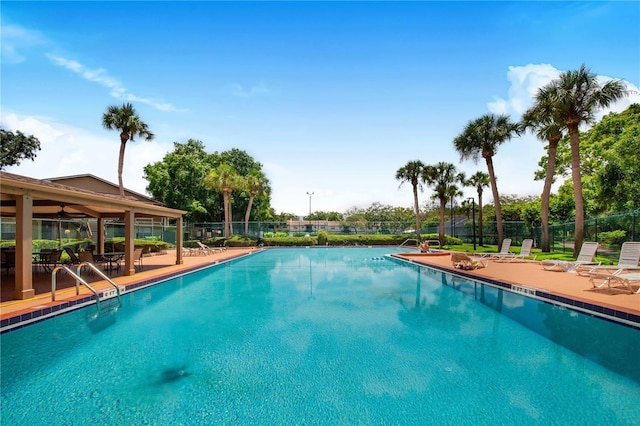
(610, 231)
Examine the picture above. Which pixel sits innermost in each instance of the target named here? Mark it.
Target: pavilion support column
(179, 239)
(101, 235)
(24, 246)
(129, 243)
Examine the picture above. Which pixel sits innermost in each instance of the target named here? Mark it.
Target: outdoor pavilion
(26, 199)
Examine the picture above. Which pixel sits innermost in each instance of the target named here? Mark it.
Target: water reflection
(611, 345)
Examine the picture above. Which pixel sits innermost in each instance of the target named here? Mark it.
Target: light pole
(309, 194)
(473, 215)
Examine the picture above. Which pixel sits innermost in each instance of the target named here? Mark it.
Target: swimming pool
(322, 336)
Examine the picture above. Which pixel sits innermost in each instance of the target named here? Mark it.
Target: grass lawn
(516, 249)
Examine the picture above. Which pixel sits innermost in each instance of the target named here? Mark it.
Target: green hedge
(323, 239)
(234, 241)
(148, 246)
(215, 242)
(290, 241)
(350, 240)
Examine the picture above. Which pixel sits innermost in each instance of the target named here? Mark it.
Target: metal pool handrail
(409, 239)
(80, 280)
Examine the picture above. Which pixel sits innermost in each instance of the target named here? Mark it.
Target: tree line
(559, 108)
(602, 163)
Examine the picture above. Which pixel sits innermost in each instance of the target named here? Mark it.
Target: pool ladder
(108, 304)
(409, 240)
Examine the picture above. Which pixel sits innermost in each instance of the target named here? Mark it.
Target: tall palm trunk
(124, 137)
(443, 207)
(248, 213)
(546, 192)
(496, 198)
(480, 233)
(229, 215)
(577, 187)
(225, 203)
(416, 208)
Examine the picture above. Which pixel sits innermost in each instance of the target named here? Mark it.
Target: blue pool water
(322, 336)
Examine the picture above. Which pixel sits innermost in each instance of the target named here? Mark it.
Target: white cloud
(70, 151)
(15, 39)
(239, 90)
(524, 83)
(633, 97)
(526, 80)
(101, 77)
(46, 134)
(517, 160)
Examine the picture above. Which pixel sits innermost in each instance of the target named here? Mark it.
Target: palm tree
(412, 172)
(255, 182)
(453, 193)
(126, 120)
(540, 119)
(576, 95)
(224, 178)
(443, 177)
(479, 180)
(481, 138)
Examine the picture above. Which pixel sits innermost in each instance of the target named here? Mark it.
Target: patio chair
(8, 260)
(585, 258)
(137, 258)
(464, 261)
(525, 252)
(88, 257)
(627, 262)
(504, 251)
(73, 259)
(53, 260)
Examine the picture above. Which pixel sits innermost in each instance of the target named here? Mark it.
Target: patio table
(111, 260)
(41, 259)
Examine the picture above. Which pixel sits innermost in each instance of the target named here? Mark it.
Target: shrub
(148, 246)
(612, 238)
(322, 238)
(240, 241)
(215, 242)
(290, 242)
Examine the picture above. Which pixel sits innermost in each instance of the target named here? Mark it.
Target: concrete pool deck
(155, 268)
(565, 287)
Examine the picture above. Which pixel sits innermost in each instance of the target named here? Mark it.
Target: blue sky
(331, 97)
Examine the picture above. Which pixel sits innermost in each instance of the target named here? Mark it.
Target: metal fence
(65, 230)
(610, 230)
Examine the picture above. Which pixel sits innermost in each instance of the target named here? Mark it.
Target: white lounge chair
(190, 251)
(504, 250)
(627, 262)
(619, 277)
(206, 249)
(585, 258)
(525, 251)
